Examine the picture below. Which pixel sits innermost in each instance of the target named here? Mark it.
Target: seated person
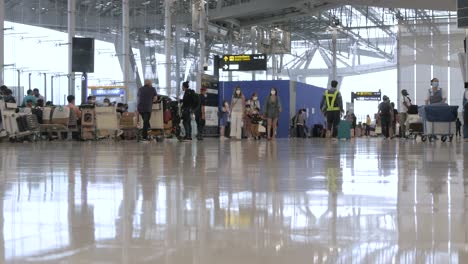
(31, 97)
(73, 107)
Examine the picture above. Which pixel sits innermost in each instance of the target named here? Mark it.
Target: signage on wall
(366, 96)
(253, 62)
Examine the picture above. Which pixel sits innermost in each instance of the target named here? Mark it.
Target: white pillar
(334, 54)
(177, 58)
(71, 35)
(253, 34)
(230, 51)
(126, 47)
(202, 33)
(168, 44)
(2, 39)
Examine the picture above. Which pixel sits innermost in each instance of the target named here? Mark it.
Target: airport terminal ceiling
(306, 26)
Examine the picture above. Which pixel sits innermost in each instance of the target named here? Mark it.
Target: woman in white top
(237, 113)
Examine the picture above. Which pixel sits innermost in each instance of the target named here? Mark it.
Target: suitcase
(22, 123)
(344, 130)
(32, 123)
(317, 130)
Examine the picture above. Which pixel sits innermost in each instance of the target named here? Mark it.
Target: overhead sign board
(366, 96)
(254, 62)
(462, 13)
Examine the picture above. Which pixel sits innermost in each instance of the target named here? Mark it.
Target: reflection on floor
(298, 201)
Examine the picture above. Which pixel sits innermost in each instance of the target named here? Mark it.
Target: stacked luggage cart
(438, 120)
(18, 125)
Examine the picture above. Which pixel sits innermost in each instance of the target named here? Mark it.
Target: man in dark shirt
(146, 96)
(187, 110)
(200, 114)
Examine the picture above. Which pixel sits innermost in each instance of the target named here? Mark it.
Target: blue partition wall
(263, 88)
(309, 97)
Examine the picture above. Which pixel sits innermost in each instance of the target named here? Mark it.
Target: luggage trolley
(438, 120)
(18, 126)
(415, 126)
(157, 128)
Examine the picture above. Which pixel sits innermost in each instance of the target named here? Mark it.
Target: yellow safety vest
(331, 98)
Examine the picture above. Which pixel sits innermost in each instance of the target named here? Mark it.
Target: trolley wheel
(423, 138)
(450, 138)
(444, 138)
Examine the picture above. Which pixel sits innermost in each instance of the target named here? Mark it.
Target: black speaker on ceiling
(83, 55)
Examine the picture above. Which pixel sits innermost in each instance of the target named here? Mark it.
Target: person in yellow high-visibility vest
(332, 108)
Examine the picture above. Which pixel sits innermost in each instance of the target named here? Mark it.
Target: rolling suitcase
(344, 130)
(22, 123)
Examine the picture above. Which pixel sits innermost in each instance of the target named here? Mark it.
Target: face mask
(255, 98)
(435, 84)
(205, 95)
(238, 92)
(273, 92)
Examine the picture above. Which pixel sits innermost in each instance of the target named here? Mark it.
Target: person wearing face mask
(271, 111)
(237, 113)
(435, 94)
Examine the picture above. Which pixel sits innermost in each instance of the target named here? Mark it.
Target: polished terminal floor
(285, 201)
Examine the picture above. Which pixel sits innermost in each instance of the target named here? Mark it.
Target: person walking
(147, 95)
(368, 125)
(189, 106)
(271, 111)
(332, 108)
(223, 119)
(459, 126)
(300, 123)
(200, 114)
(386, 113)
(404, 107)
(237, 113)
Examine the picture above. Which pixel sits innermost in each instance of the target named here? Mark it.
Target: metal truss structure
(341, 34)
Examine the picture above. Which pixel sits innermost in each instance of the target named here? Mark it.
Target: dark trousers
(458, 133)
(385, 121)
(187, 121)
(146, 116)
(300, 131)
(367, 130)
(333, 121)
(200, 125)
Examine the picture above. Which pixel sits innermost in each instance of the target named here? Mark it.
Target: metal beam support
(2, 42)
(71, 34)
(168, 43)
(126, 48)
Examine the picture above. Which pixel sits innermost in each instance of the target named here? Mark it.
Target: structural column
(177, 58)
(202, 33)
(253, 34)
(2, 40)
(71, 35)
(168, 43)
(334, 55)
(126, 47)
